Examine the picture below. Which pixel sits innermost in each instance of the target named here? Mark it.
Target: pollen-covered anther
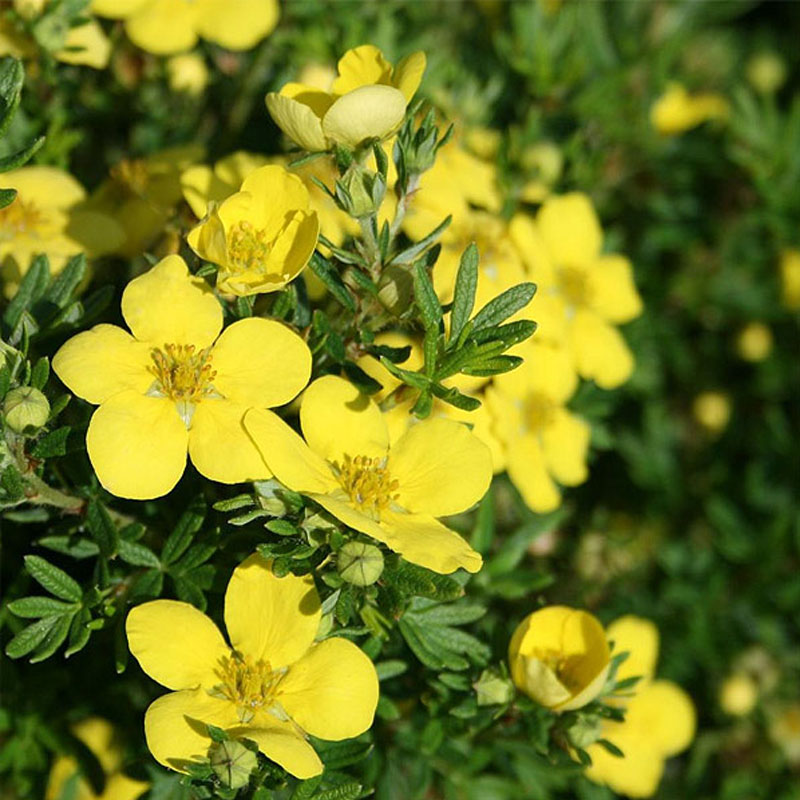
(19, 218)
(248, 246)
(575, 286)
(367, 482)
(182, 373)
(131, 175)
(539, 411)
(249, 685)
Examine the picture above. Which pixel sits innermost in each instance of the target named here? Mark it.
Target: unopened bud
(364, 192)
(25, 407)
(585, 731)
(396, 289)
(492, 689)
(766, 72)
(232, 763)
(359, 563)
(738, 695)
(712, 410)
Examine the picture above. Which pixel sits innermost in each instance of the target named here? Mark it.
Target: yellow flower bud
(232, 763)
(766, 72)
(754, 342)
(712, 410)
(359, 563)
(25, 407)
(187, 73)
(790, 278)
(676, 111)
(559, 656)
(738, 694)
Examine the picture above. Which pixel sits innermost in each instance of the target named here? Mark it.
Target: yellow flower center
(539, 412)
(574, 286)
(131, 176)
(248, 246)
(249, 685)
(19, 218)
(367, 482)
(182, 374)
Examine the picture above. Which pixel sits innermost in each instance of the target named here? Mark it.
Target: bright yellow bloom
(46, 217)
(583, 293)
(393, 493)
(677, 111)
(141, 194)
(187, 73)
(738, 694)
(273, 685)
(712, 410)
(754, 342)
(165, 27)
(262, 236)
(559, 657)
(368, 100)
(545, 443)
(99, 736)
(177, 385)
(659, 718)
(790, 278)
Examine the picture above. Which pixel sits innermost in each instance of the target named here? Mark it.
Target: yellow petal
(96, 233)
(175, 726)
(370, 112)
(297, 121)
(208, 240)
(116, 9)
(423, 540)
(276, 194)
(407, 75)
(664, 714)
(600, 351)
(234, 168)
(121, 787)
(637, 774)
(200, 184)
(565, 444)
(332, 691)
(280, 742)
(164, 27)
(639, 637)
(271, 618)
(237, 25)
(260, 362)
(86, 44)
(46, 187)
(362, 66)
(338, 420)
(220, 447)
(290, 459)
(441, 468)
(547, 371)
(527, 470)
(532, 249)
(570, 228)
(175, 644)
(137, 445)
(167, 305)
(612, 291)
(98, 735)
(552, 315)
(291, 250)
(103, 361)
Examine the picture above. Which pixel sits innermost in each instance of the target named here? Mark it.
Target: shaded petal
(664, 714)
(612, 290)
(103, 361)
(163, 27)
(639, 637)
(361, 66)
(208, 239)
(116, 9)
(637, 774)
(271, 618)
(569, 226)
(98, 735)
(201, 185)
(86, 44)
(546, 370)
(137, 445)
(441, 467)
(175, 644)
(168, 305)
(95, 232)
(297, 121)
(532, 249)
(276, 195)
(407, 75)
(121, 787)
(292, 249)
(287, 455)
(175, 726)
(365, 113)
(337, 419)
(332, 691)
(46, 187)
(282, 743)
(220, 447)
(565, 444)
(527, 470)
(239, 25)
(600, 351)
(260, 362)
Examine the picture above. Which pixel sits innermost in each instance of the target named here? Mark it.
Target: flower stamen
(248, 247)
(182, 374)
(367, 482)
(19, 218)
(249, 685)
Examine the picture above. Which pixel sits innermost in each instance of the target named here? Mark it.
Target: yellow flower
(754, 342)
(659, 718)
(583, 293)
(790, 278)
(559, 657)
(165, 27)
(390, 492)
(738, 694)
(546, 162)
(187, 73)
(176, 385)
(273, 685)
(141, 194)
(712, 410)
(367, 101)
(784, 730)
(766, 72)
(262, 236)
(545, 443)
(46, 217)
(677, 111)
(99, 736)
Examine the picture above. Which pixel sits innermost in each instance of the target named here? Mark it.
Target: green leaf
(53, 579)
(464, 293)
(40, 373)
(425, 295)
(327, 273)
(510, 334)
(181, 537)
(73, 546)
(16, 160)
(137, 554)
(37, 606)
(79, 632)
(30, 290)
(411, 253)
(12, 76)
(52, 444)
(7, 197)
(29, 638)
(66, 282)
(102, 528)
(234, 503)
(504, 305)
(455, 398)
(53, 639)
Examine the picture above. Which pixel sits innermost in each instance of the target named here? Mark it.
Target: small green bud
(360, 564)
(364, 192)
(25, 407)
(267, 499)
(232, 763)
(493, 689)
(396, 289)
(585, 731)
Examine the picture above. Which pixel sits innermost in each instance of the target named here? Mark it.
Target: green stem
(47, 495)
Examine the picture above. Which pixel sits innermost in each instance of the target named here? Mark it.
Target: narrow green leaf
(29, 638)
(39, 606)
(181, 537)
(137, 554)
(16, 160)
(30, 290)
(102, 528)
(411, 253)
(425, 295)
(326, 272)
(79, 632)
(464, 293)
(53, 579)
(504, 305)
(66, 282)
(53, 640)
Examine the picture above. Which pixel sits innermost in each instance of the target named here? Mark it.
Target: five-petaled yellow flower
(273, 685)
(559, 657)
(659, 718)
(165, 27)
(392, 492)
(677, 111)
(261, 236)
(367, 101)
(176, 384)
